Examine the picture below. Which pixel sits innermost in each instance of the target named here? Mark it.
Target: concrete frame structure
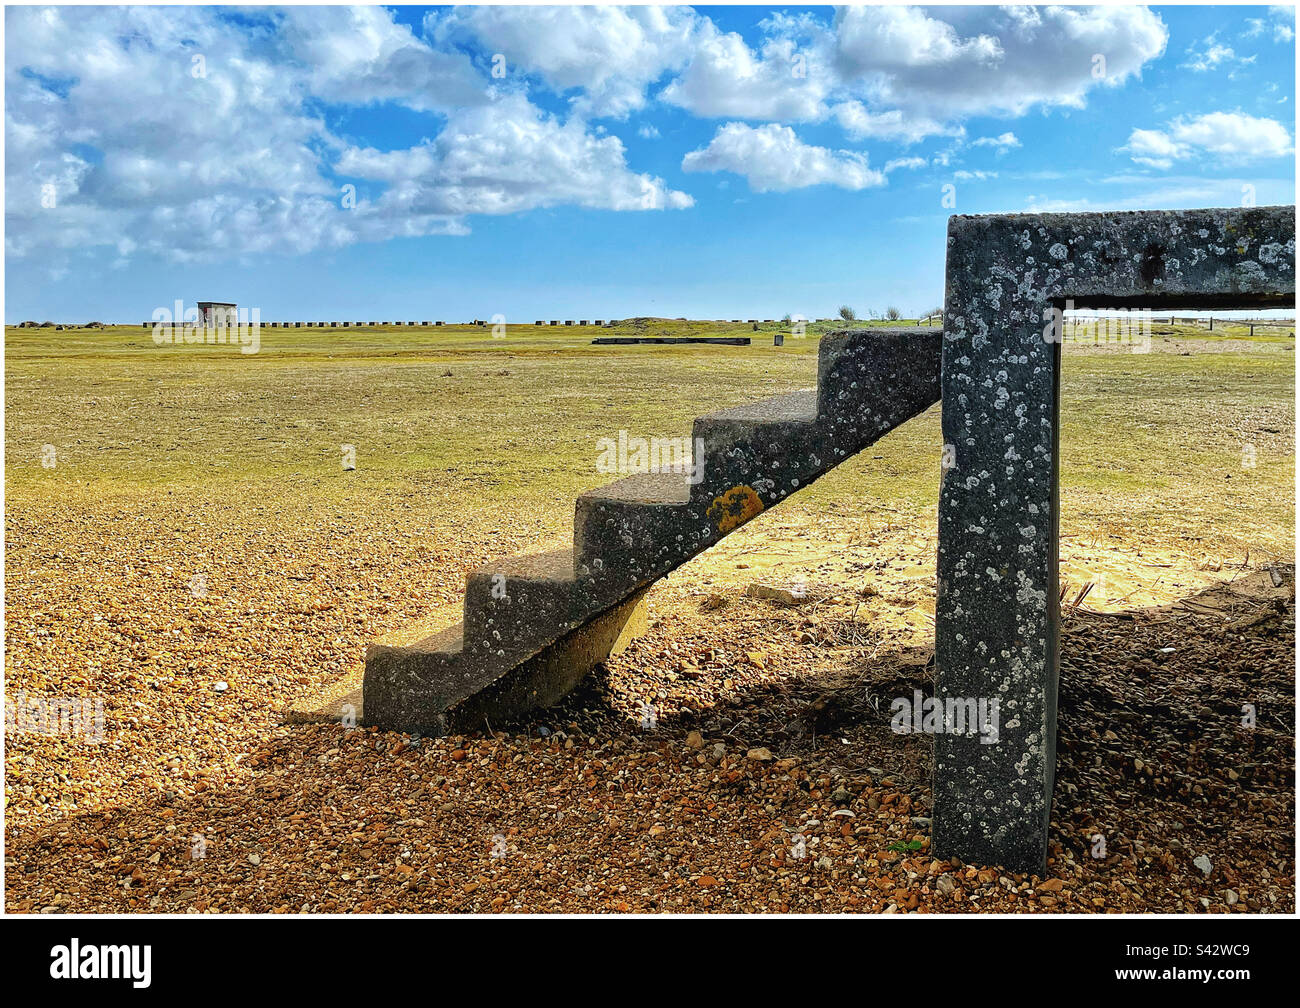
(1009, 277)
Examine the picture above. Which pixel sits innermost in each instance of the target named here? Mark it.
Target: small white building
(218, 314)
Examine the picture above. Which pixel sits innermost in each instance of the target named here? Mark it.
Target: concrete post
(1009, 277)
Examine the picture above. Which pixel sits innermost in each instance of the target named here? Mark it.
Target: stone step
(614, 525)
(517, 606)
(783, 423)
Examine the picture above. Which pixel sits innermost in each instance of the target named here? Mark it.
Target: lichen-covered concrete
(997, 607)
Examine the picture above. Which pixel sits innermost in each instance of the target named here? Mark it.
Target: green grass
(1151, 442)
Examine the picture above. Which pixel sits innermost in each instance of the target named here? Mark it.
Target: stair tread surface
(448, 641)
(645, 488)
(552, 565)
(792, 407)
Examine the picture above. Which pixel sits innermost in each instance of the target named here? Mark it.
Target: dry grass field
(184, 547)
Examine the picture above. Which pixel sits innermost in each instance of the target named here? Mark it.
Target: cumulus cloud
(892, 124)
(960, 61)
(157, 125)
(1281, 24)
(145, 156)
(1230, 137)
(1211, 55)
(197, 133)
(610, 54)
(360, 56)
(726, 78)
(1002, 142)
(906, 73)
(504, 158)
(773, 159)
(904, 163)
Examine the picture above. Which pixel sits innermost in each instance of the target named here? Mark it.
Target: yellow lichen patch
(734, 508)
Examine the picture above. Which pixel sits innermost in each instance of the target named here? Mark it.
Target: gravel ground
(737, 758)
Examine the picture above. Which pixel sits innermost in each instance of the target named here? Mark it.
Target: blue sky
(711, 162)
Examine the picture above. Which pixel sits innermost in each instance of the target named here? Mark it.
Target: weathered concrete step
(514, 605)
(407, 685)
(606, 521)
(435, 688)
(643, 488)
(546, 677)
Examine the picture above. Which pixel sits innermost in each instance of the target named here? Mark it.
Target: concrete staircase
(534, 625)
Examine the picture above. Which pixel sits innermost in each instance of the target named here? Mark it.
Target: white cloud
(956, 61)
(648, 131)
(1153, 148)
(902, 39)
(904, 163)
(360, 56)
(892, 124)
(504, 158)
(139, 144)
(1282, 25)
(1283, 22)
(190, 133)
(725, 79)
(973, 176)
(1213, 54)
(906, 73)
(1230, 137)
(773, 159)
(1003, 142)
(611, 53)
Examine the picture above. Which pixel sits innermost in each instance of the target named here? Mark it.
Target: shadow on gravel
(1176, 742)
